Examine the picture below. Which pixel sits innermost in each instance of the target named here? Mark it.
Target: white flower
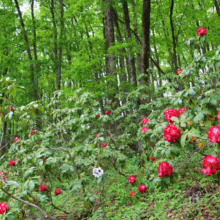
(97, 172)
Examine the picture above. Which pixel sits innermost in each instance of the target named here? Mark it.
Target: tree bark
(28, 50)
(217, 3)
(145, 56)
(131, 60)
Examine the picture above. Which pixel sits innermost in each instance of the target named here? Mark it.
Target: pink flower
(17, 160)
(1, 173)
(211, 165)
(97, 134)
(12, 163)
(142, 188)
(132, 194)
(152, 159)
(3, 207)
(98, 115)
(171, 133)
(201, 31)
(144, 121)
(182, 110)
(194, 139)
(104, 144)
(43, 187)
(164, 169)
(131, 179)
(16, 138)
(106, 112)
(144, 129)
(57, 192)
(214, 134)
(218, 115)
(178, 71)
(32, 132)
(169, 113)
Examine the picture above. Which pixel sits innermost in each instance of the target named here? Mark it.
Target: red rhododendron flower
(3, 207)
(211, 165)
(57, 192)
(144, 121)
(98, 115)
(2, 173)
(131, 179)
(97, 134)
(32, 132)
(11, 108)
(43, 187)
(214, 134)
(218, 115)
(104, 144)
(142, 188)
(16, 138)
(132, 194)
(106, 112)
(178, 71)
(165, 169)
(144, 129)
(12, 163)
(171, 133)
(153, 159)
(201, 31)
(169, 113)
(182, 110)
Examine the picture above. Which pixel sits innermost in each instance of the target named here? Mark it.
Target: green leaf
(198, 117)
(183, 140)
(12, 183)
(194, 132)
(31, 185)
(175, 119)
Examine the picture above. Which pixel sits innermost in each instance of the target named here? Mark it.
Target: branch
(30, 204)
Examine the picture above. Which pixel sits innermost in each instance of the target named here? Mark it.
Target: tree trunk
(145, 56)
(217, 3)
(28, 50)
(131, 60)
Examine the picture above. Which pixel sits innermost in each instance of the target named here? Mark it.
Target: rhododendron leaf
(183, 140)
(99, 179)
(175, 119)
(31, 185)
(198, 117)
(194, 132)
(191, 91)
(12, 183)
(214, 102)
(168, 153)
(175, 150)
(10, 217)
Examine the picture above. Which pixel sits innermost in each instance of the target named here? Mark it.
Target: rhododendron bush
(76, 155)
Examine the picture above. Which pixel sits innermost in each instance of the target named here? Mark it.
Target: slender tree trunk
(28, 50)
(60, 45)
(145, 56)
(56, 60)
(131, 60)
(217, 5)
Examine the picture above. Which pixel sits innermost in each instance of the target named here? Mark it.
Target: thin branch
(29, 204)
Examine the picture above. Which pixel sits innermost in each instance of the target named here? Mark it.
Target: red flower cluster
(16, 138)
(211, 165)
(131, 179)
(144, 121)
(171, 133)
(12, 163)
(142, 188)
(98, 115)
(132, 194)
(104, 144)
(153, 159)
(165, 169)
(3, 177)
(194, 139)
(201, 31)
(169, 113)
(178, 71)
(57, 192)
(3, 207)
(106, 112)
(144, 129)
(97, 134)
(218, 115)
(43, 187)
(182, 110)
(214, 134)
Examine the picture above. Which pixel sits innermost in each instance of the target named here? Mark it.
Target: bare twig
(29, 204)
